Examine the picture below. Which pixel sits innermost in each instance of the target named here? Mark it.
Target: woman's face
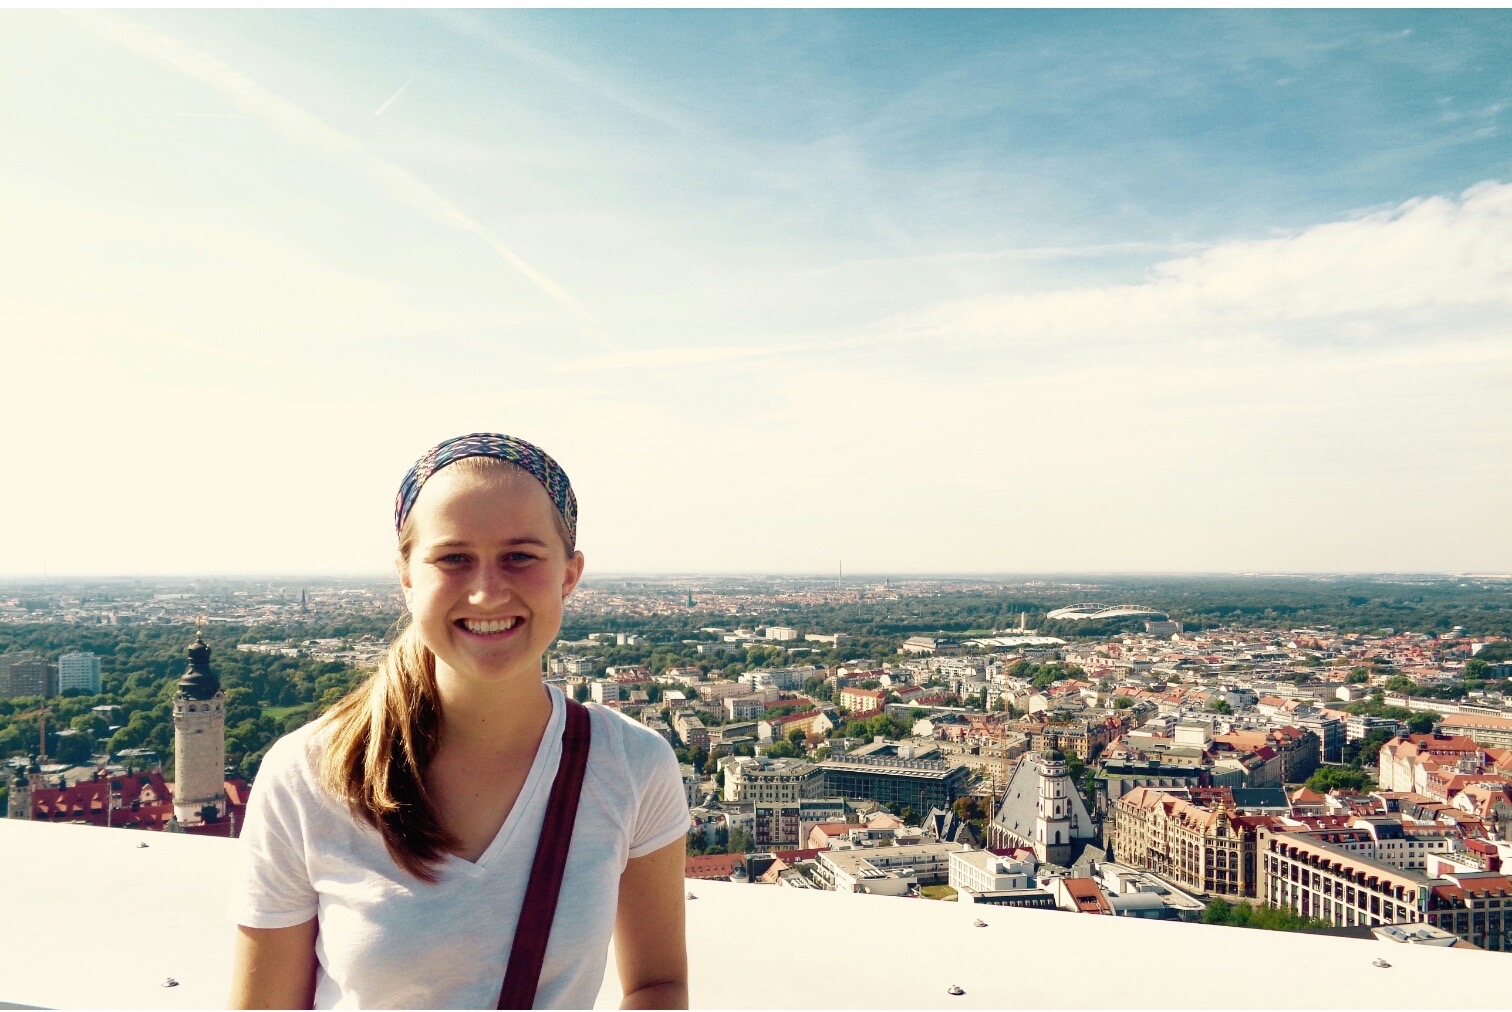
(487, 572)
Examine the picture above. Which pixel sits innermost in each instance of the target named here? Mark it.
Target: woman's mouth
(492, 629)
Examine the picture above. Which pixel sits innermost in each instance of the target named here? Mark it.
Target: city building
(602, 691)
(25, 673)
(79, 670)
(981, 871)
(862, 701)
(1330, 732)
(890, 778)
(786, 825)
(770, 781)
(1475, 906)
(887, 871)
(199, 741)
(1315, 878)
(1489, 731)
(690, 729)
(1207, 850)
(744, 707)
(1041, 809)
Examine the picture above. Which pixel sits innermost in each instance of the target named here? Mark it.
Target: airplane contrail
(395, 95)
(402, 185)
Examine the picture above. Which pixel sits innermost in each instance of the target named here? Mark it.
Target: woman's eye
(455, 559)
(519, 558)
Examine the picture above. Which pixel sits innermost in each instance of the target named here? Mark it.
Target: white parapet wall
(91, 920)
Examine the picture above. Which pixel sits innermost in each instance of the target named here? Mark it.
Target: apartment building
(1476, 906)
(79, 670)
(690, 729)
(771, 781)
(25, 673)
(601, 691)
(785, 825)
(1485, 730)
(1206, 850)
(715, 691)
(744, 707)
(1316, 878)
(860, 701)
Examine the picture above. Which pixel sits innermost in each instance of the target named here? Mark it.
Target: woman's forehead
(501, 502)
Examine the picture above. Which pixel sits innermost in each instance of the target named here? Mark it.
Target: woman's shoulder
(293, 761)
(628, 741)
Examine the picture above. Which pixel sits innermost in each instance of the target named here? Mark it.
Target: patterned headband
(524, 455)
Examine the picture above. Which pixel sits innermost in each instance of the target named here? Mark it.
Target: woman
(389, 847)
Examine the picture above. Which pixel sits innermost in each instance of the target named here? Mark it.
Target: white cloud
(1423, 271)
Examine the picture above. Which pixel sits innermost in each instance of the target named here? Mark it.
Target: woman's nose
(491, 585)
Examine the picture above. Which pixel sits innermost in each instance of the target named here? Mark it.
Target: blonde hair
(385, 732)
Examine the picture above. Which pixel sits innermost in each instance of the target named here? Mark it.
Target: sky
(949, 291)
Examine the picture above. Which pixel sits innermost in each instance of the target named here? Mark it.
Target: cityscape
(1043, 472)
(1086, 751)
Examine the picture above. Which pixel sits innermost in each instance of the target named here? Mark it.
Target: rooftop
(161, 908)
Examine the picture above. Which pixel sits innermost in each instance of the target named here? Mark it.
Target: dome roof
(199, 682)
(1052, 755)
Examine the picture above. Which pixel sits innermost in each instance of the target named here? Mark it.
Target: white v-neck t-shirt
(388, 940)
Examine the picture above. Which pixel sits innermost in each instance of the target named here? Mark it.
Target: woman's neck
(503, 718)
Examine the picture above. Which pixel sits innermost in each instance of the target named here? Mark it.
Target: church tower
(199, 739)
(1052, 820)
(20, 797)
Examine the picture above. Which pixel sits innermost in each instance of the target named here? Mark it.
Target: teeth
(489, 627)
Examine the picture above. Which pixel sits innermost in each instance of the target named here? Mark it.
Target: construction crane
(41, 715)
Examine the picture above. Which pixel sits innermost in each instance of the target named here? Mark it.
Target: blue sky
(986, 291)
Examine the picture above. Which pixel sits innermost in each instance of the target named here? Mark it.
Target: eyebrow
(458, 543)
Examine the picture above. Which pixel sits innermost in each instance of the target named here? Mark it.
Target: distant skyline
(942, 292)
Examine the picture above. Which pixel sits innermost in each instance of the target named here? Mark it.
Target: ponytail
(383, 736)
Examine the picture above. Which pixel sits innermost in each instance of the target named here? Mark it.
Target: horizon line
(793, 573)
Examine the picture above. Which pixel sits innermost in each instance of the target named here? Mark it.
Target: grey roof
(1017, 808)
(1260, 797)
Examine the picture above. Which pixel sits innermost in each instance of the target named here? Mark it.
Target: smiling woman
(437, 826)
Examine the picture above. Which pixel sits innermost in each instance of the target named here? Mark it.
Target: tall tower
(20, 798)
(199, 739)
(1052, 818)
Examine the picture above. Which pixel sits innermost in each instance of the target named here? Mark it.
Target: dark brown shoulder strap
(533, 931)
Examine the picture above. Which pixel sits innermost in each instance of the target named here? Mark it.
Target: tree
(741, 841)
(1357, 676)
(1122, 702)
(1365, 751)
(1342, 778)
(1422, 722)
(1401, 685)
(1220, 706)
(1243, 915)
(798, 737)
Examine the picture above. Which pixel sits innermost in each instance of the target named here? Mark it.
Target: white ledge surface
(159, 912)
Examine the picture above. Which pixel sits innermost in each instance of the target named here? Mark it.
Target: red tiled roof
(711, 865)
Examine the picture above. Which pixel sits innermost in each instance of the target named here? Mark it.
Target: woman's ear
(573, 575)
(402, 564)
